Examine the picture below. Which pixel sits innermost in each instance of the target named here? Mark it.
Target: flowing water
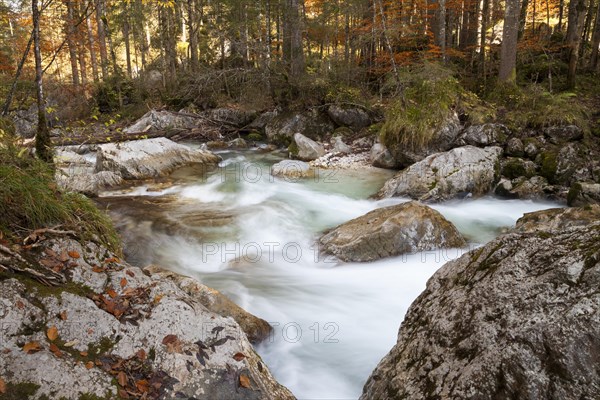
(252, 237)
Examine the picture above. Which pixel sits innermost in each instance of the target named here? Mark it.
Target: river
(252, 237)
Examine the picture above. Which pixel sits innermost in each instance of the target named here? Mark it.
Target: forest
(281, 199)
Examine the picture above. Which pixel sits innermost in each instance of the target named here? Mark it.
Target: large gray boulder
(405, 228)
(561, 134)
(350, 116)
(284, 126)
(149, 158)
(231, 116)
(106, 328)
(306, 149)
(339, 146)
(460, 172)
(483, 135)
(516, 319)
(443, 139)
(87, 183)
(164, 120)
(381, 157)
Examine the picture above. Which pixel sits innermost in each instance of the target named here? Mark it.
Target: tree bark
(595, 40)
(483, 39)
(293, 54)
(71, 41)
(193, 35)
(92, 47)
(577, 12)
(42, 138)
(102, 37)
(508, 50)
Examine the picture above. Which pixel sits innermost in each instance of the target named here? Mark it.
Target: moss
(20, 391)
(548, 165)
(254, 136)
(34, 286)
(574, 193)
(293, 149)
(514, 168)
(29, 199)
(343, 131)
(105, 345)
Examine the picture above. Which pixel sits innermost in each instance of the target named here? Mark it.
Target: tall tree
(508, 50)
(42, 138)
(293, 54)
(595, 40)
(577, 12)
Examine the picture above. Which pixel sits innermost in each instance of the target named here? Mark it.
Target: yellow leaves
(244, 381)
(32, 347)
(52, 333)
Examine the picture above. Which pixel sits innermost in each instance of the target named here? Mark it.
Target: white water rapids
(255, 242)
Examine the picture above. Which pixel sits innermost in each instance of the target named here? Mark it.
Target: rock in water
(292, 169)
(516, 319)
(455, 173)
(149, 158)
(111, 328)
(257, 329)
(391, 231)
(308, 149)
(381, 157)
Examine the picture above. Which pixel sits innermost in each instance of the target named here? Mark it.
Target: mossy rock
(548, 165)
(20, 391)
(343, 132)
(375, 129)
(254, 136)
(515, 168)
(293, 149)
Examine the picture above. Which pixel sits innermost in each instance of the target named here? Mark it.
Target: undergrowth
(30, 199)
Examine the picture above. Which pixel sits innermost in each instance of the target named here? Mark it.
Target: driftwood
(111, 137)
(15, 263)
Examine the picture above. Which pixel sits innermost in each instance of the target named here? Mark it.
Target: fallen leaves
(55, 350)
(244, 381)
(122, 378)
(2, 386)
(73, 254)
(123, 282)
(32, 347)
(52, 333)
(63, 315)
(172, 343)
(89, 365)
(130, 305)
(239, 356)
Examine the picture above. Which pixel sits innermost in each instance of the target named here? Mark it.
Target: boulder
(25, 122)
(149, 158)
(558, 219)
(237, 143)
(231, 116)
(292, 169)
(534, 188)
(306, 149)
(401, 229)
(516, 319)
(515, 148)
(163, 120)
(262, 121)
(353, 117)
(339, 146)
(483, 135)
(583, 193)
(562, 134)
(257, 329)
(464, 171)
(311, 124)
(87, 183)
(107, 328)
(381, 157)
(443, 140)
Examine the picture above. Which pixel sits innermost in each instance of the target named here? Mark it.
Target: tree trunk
(42, 138)
(523, 17)
(100, 18)
(71, 40)
(293, 54)
(595, 40)
(193, 35)
(508, 51)
(484, 20)
(92, 46)
(13, 87)
(577, 11)
(126, 39)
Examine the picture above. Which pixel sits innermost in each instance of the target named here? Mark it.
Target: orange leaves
(244, 381)
(55, 350)
(123, 282)
(172, 343)
(32, 347)
(239, 356)
(2, 386)
(52, 333)
(122, 378)
(74, 254)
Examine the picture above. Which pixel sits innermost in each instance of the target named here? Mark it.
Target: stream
(253, 236)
